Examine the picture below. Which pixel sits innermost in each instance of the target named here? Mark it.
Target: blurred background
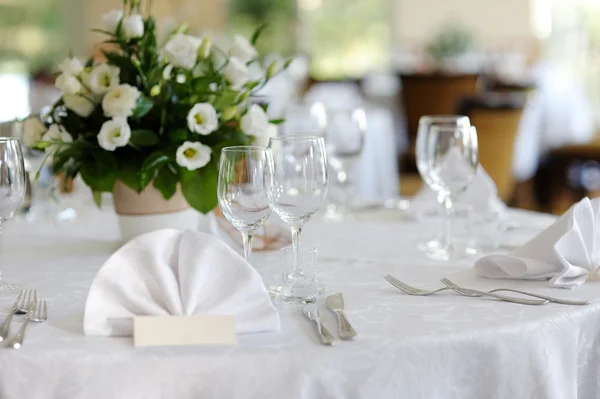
(527, 73)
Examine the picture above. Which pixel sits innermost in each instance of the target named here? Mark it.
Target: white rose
(182, 50)
(242, 49)
(102, 78)
(111, 19)
(255, 122)
(114, 133)
(56, 133)
(79, 104)
(68, 84)
(236, 73)
(193, 155)
(33, 130)
(203, 119)
(71, 66)
(120, 101)
(133, 26)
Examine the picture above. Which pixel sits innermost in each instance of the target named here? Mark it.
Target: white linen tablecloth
(444, 346)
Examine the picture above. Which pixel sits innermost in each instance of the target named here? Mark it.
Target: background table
(444, 346)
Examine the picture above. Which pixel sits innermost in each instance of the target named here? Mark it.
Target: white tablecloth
(444, 346)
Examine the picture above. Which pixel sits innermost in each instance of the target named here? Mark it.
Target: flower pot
(148, 211)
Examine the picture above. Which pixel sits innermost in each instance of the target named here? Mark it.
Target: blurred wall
(493, 22)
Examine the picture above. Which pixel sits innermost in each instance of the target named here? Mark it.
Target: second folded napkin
(566, 253)
(168, 272)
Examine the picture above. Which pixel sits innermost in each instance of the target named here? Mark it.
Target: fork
(475, 293)
(17, 341)
(23, 305)
(41, 312)
(6, 325)
(419, 292)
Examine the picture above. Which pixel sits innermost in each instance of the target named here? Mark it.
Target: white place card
(183, 330)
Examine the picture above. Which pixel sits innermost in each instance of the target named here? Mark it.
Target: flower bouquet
(153, 115)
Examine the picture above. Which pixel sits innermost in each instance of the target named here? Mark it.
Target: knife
(335, 303)
(6, 324)
(312, 312)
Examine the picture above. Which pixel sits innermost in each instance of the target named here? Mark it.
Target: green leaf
(129, 173)
(100, 171)
(277, 121)
(177, 135)
(90, 62)
(226, 98)
(200, 187)
(97, 198)
(150, 165)
(166, 182)
(62, 157)
(103, 31)
(143, 138)
(143, 106)
(202, 83)
(257, 33)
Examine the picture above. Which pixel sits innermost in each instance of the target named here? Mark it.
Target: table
(408, 347)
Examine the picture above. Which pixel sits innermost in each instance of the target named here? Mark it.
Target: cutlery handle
(6, 325)
(549, 298)
(346, 330)
(17, 341)
(534, 302)
(325, 335)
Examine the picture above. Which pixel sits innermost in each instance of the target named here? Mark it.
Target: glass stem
(448, 219)
(247, 239)
(296, 230)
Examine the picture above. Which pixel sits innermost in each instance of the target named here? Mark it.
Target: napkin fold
(480, 196)
(566, 253)
(169, 272)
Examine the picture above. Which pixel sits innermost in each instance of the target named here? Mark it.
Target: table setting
(164, 292)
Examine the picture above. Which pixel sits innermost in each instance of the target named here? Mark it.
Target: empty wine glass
(12, 188)
(345, 140)
(242, 192)
(305, 119)
(426, 123)
(447, 159)
(297, 182)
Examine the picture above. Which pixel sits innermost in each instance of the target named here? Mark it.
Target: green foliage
(451, 41)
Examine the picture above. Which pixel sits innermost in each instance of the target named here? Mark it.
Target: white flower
(120, 101)
(236, 73)
(79, 104)
(182, 50)
(71, 66)
(33, 130)
(203, 119)
(242, 49)
(193, 155)
(114, 133)
(68, 84)
(56, 133)
(133, 26)
(102, 78)
(255, 122)
(111, 19)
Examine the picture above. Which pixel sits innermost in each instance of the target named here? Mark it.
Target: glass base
(276, 293)
(453, 253)
(7, 288)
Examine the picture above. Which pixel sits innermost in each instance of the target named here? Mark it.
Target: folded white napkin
(168, 272)
(480, 196)
(567, 252)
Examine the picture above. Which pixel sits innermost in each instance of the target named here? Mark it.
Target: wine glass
(447, 159)
(305, 119)
(426, 123)
(345, 139)
(242, 192)
(12, 188)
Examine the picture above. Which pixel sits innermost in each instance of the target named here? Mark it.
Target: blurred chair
(431, 94)
(496, 117)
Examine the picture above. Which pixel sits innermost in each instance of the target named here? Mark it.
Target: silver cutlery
(312, 312)
(335, 303)
(24, 303)
(41, 312)
(17, 341)
(419, 292)
(475, 293)
(546, 297)
(6, 324)
(416, 291)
